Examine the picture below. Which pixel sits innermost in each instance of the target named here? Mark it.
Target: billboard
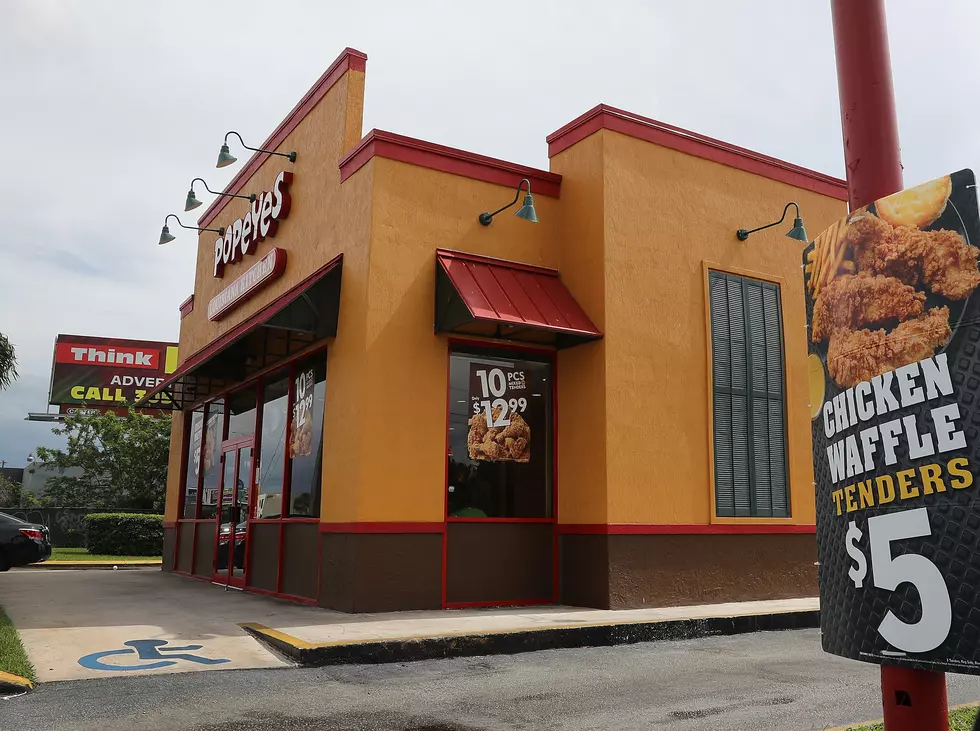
(102, 373)
(893, 321)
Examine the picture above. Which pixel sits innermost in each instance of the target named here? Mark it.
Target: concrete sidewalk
(89, 624)
(401, 636)
(95, 624)
(81, 565)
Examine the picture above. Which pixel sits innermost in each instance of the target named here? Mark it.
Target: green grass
(82, 554)
(959, 720)
(13, 657)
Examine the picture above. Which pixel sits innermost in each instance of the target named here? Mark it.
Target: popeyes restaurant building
(384, 404)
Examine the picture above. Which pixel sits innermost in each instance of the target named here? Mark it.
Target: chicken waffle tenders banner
(893, 327)
(501, 411)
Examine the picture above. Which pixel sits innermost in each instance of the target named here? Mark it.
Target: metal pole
(867, 102)
(913, 700)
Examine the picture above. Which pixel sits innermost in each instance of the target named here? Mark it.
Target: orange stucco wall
(582, 404)
(665, 214)
(325, 219)
(313, 233)
(415, 211)
(172, 506)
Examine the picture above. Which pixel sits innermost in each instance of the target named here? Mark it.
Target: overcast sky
(108, 109)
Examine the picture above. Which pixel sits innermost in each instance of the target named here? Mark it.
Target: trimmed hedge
(124, 534)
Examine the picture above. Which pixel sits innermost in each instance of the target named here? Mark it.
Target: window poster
(498, 423)
(301, 429)
(197, 432)
(212, 440)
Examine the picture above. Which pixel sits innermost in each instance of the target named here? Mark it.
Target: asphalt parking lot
(768, 681)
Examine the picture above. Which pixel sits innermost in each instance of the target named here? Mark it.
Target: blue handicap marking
(147, 650)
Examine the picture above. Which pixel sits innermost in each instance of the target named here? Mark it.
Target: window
(193, 473)
(214, 424)
(749, 397)
(500, 436)
(309, 389)
(272, 456)
(241, 413)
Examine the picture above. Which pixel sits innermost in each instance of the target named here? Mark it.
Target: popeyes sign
(243, 235)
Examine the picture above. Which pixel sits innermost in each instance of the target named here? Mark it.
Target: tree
(9, 493)
(8, 363)
(123, 460)
(12, 495)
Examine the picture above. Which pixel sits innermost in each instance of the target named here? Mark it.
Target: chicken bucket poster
(893, 324)
(498, 430)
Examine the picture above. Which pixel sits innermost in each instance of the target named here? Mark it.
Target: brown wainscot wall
(634, 571)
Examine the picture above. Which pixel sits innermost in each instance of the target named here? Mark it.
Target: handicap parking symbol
(149, 650)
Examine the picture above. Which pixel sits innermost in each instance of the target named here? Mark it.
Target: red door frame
(257, 381)
(233, 446)
(552, 356)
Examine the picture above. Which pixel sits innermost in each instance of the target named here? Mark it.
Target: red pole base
(914, 700)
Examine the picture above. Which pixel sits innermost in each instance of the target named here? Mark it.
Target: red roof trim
(186, 307)
(511, 293)
(208, 351)
(348, 60)
(378, 143)
(632, 529)
(692, 143)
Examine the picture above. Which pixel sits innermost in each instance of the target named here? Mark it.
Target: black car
(22, 543)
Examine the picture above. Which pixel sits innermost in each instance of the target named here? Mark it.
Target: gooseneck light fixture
(166, 237)
(225, 158)
(192, 202)
(797, 232)
(526, 211)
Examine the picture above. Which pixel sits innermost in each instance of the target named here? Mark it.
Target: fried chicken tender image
(949, 265)
(854, 301)
(878, 250)
(941, 260)
(498, 443)
(861, 355)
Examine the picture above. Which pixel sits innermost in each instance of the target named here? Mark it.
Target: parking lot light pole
(913, 700)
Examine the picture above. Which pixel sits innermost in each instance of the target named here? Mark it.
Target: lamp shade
(192, 202)
(527, 211)
(165, 236)
(797, 232)
(225, 158)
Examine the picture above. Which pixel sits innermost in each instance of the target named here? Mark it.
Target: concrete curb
(506, 642)
(10, 683)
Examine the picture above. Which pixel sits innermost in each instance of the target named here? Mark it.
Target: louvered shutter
(749, 411)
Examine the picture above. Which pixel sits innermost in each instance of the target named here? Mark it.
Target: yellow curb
(299, 644)
(15, 680)
(859, 724)
(275, 634)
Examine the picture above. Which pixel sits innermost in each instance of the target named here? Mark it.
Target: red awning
(479, 295)
(298, 318)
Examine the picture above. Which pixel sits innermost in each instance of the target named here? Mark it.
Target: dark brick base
(635, 571)
(380, 572)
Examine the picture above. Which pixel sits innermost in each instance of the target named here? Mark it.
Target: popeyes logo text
(104, 356)
(243, 236)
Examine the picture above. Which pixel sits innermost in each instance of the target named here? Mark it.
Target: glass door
(233, 513)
